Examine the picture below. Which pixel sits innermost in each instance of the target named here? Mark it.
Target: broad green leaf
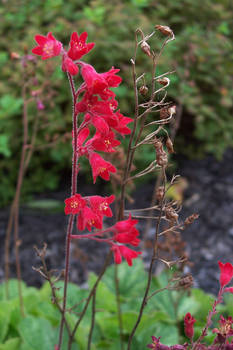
(5, 313)
(11, 344)
(37, 333)
(132, 280)
(12, 289)
(105, 298)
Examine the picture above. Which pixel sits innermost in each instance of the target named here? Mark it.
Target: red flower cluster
(90, 210)
(96, 101)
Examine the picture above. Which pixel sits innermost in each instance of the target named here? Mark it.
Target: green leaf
(4, 146)
(37, 333)
(9, 106)
(10, 344)
(131, 283)
(105, 298)
(5, 312)
(12, 288)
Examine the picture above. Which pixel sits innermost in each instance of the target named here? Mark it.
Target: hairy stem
(71, 218)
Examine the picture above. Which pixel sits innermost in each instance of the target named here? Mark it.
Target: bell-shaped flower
(47, 47)
(74, 204)
(87, 219)
(100, 205)
(226, 273)
(125, 252)
(78, 46)
(100, 167)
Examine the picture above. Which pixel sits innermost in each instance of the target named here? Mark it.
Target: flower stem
(71, 218)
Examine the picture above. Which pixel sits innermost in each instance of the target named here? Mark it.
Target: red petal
(41, 39)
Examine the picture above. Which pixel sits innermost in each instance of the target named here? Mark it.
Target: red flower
(112, 79)
(78, 46)
(100, 205)
(69, 66)
(104, 142)
(126, 252)
(95, 82)
(128, 238)
(48, 46)
(125, 232)
(188, 325)
(226, 273)
(99, 83)
(98, 122)
(74, 204)
(100, 167)
(122, 122)
(87, 219)
(125, 225)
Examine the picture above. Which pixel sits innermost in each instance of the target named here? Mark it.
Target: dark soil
(209, 239)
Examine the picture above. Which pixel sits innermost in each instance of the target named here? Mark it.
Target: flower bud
(143, 90)
(146, 48)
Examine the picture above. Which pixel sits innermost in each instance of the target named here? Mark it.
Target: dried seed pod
(171, 215)
(157, 144)
(169, 145)
(146, 48)
(190, 219)
(143, 90)
(160, 193)
(161, 158)
(165, 30)
(164, 113)
(163, 81)
(186, 281)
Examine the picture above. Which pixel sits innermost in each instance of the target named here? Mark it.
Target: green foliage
(163, 315)
(202, 56)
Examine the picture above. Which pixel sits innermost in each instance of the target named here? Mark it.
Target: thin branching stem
(93, 311)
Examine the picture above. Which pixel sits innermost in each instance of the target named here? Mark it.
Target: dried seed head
(157, 144)
(160, 193)
(143, 90)
(164, 113)
(146, 48)
(186, 281)
(163, 81)
(169, 146)
(189, 220)
(165, 30)
(161, 158)
(171, 215)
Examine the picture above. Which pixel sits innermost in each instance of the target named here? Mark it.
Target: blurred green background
(201, 55)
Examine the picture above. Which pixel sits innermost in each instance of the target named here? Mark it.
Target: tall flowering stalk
(97, 123)
(94, 108)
